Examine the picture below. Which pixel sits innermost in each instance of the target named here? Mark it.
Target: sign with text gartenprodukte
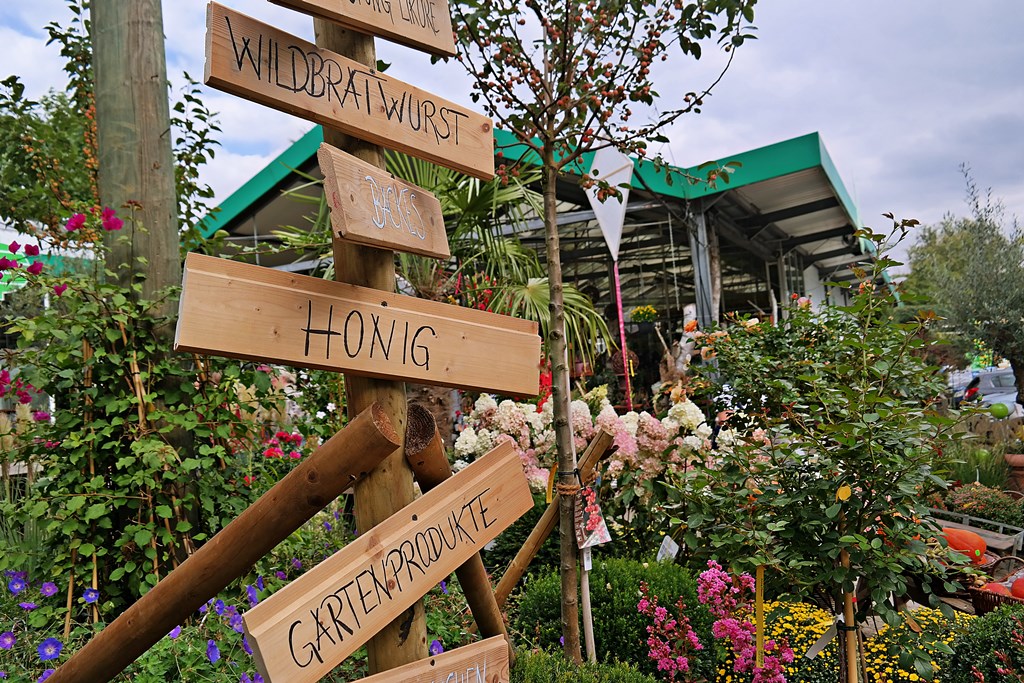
(372, 207)
(423, 24)
(253, 60)
(249, 312)
(307, 628)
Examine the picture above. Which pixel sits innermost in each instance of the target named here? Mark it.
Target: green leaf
(143, 537)
(95, 511)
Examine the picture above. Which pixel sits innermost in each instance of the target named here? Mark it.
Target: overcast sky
(902, 93)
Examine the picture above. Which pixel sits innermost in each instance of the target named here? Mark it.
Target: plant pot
(1016, 478)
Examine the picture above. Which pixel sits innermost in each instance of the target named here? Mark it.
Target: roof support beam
(841, 231)
(852, 250)
(791, 212)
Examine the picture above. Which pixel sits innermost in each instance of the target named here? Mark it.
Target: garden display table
(1006, 537)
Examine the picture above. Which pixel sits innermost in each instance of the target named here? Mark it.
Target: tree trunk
(558, 354)
(136, 162)
(389, 487)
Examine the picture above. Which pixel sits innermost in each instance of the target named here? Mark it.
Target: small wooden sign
(372, 207)
(308, 627)
(244, 311)
(485, 661)
(422, 24)
(253, 60)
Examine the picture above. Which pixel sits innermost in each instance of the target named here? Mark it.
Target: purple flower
(35, 268)
(259, 583)
(46, 674)
(29, 606)
(49, 649)
(218, 607)
(59, 289)
(281, 575)
(14, 247)
(245, 646)
(174, 633)
(3, 674)
(444, 587)
(436, 647)
(8, 264)
(244, 678)
(43, 416)
(297, 563)
(90, 595)
(7, 640)
(49, 588)
(236, 622)
(16, 585)
(75, 222)
(110, 220)
(212, 653)
(327, 526)
(250, 592)
(31, 250)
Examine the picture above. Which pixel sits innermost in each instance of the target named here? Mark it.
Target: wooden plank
(304, 630)
(253, 60)
(372, 207)
(422, 24)
(485, 661)
(249, 312)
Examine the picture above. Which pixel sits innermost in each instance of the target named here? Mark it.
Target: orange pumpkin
(996, 588)
(967, 542)
(1017, 589)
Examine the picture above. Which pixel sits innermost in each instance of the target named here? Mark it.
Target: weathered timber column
(424, 451)
(327, 473)
(389, 488)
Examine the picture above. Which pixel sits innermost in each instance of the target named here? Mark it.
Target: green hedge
(543, 667)
(977, 647)
(620, 632)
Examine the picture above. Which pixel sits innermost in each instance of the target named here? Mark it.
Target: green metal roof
(756, 165)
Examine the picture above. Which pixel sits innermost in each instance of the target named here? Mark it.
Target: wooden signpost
(311, 625)
(248, 58)
(372, 207)
(423, 24)
(243, 311)
(485, 661)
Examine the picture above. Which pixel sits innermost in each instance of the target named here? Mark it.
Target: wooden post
(517, 567)
(850, 624)
(390, 487)
(343, 460)
(424, 450)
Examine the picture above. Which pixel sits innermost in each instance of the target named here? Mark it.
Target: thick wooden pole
(517, 567)
(424, 451)
(849, 632)
(344, 460)
(136, 162)
(390, 487)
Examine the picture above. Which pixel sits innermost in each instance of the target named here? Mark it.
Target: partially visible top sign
(485, 661)
(311, 625)
(372, 207)
(423, 24)
(253, 60)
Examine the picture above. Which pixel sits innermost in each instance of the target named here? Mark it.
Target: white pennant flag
(616, 168)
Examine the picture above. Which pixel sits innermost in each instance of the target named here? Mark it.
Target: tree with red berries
(568, 78)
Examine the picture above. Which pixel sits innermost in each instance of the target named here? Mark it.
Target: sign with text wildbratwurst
(250, 312)
(372, 207)
(423, 24)
(308, 627)
(259, 62)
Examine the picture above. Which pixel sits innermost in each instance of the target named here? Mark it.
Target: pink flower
(8, 264)
(59, 289)
(14, 247)
(110, 220)
(75, 222)
(31, 250)
(35, 268)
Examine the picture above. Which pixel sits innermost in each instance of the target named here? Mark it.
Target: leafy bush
(499, 553)
(543, 667)
(977, 647)
(982, 501)
(905, 652)
(620, 631)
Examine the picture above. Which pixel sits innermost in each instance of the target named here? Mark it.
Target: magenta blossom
(75, 222)
(110, 220)
(14, 247)
(31, 250)
(35, 268)
(59, 289)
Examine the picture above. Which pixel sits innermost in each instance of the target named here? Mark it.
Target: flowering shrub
(978, 500)
(908, 652)
(670, 637)
(990, 649)
(644, 314)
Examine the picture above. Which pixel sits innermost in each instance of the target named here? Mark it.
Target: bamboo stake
(517, 567)
(71, 595)
(851, 634)
(424, 451)
(759, 617)
(335, 466)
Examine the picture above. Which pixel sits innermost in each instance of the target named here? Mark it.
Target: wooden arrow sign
(243, 311)
(308, 627)
(485, 661)
(253, 60)
(422, 24)
(372, 207)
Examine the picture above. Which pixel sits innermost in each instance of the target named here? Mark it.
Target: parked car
(990, 387)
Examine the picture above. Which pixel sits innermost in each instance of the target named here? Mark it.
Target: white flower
(695, 443)
(484, 405)
(727, 437)
(703, 430)
(630, 420)
(467, 442)
(320, 414)
(330, 407)
(459, 465)
(687, 414)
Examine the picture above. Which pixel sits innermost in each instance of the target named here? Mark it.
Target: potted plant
(644, 316)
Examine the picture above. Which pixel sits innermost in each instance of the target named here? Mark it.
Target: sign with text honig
(259, 62)
(307, 628)
(244, 311)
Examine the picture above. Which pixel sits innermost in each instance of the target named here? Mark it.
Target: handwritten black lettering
(328, 332)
